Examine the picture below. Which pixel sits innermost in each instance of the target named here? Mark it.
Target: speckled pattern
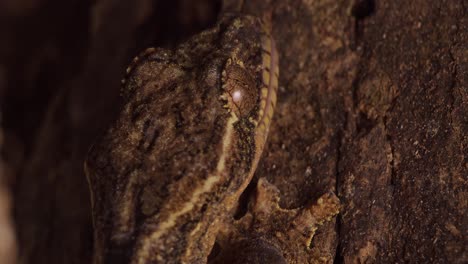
(170, 169)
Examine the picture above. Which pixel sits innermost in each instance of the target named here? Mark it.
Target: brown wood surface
(372, 104)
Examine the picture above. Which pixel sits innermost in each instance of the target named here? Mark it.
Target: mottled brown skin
(170, 170)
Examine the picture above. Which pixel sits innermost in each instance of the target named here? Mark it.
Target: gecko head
(185, 144)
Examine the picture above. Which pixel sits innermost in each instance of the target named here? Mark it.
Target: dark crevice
(214, 252)
(364, 125)
(168, 29)
(244, 200)
(453, 87)
(363, 9)
(340, 138)
(339, 258)
(388, 138)
(355, 86)
(360, 11)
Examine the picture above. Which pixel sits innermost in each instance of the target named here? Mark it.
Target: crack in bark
(338, 257)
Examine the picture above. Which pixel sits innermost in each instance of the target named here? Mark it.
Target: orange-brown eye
(242, 93)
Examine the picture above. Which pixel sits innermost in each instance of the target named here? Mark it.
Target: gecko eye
(240, 88)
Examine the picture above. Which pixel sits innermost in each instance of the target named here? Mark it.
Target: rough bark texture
(373, 104)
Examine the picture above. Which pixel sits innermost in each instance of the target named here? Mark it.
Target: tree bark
(372, 104)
